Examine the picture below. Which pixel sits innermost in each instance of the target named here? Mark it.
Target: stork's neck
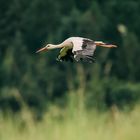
(61, 45)
(52, 46)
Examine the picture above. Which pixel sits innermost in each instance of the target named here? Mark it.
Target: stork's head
(102, 44)
(46, 48)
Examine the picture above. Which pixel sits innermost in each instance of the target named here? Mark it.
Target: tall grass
(72, 123)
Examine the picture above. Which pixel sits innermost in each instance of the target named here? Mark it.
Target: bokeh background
(41, 98)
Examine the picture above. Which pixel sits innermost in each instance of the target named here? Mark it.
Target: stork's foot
(61, 59)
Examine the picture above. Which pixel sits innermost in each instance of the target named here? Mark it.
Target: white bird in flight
(77, 48)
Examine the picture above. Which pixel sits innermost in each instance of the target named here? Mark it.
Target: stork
(77, 48)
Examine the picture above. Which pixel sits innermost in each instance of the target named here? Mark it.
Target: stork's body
(77, 43)
(78, 48)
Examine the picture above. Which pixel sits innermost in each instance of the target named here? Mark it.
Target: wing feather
(87, 52)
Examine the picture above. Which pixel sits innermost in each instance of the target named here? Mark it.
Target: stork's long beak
(42, 49)
(108, 45)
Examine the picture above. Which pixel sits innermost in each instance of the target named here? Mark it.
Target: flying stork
(77, 48)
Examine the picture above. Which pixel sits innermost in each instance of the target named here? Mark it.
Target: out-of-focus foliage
(38, 79)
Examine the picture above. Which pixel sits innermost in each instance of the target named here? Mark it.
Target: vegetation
(60, 125)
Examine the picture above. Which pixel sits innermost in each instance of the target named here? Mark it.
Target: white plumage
(77, 43)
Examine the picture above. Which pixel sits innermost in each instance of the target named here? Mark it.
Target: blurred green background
(36, 84)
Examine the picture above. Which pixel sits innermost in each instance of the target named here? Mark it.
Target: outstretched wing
(65, 54)
(87, 52)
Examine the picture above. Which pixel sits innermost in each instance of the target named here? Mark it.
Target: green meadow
(73, 122)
